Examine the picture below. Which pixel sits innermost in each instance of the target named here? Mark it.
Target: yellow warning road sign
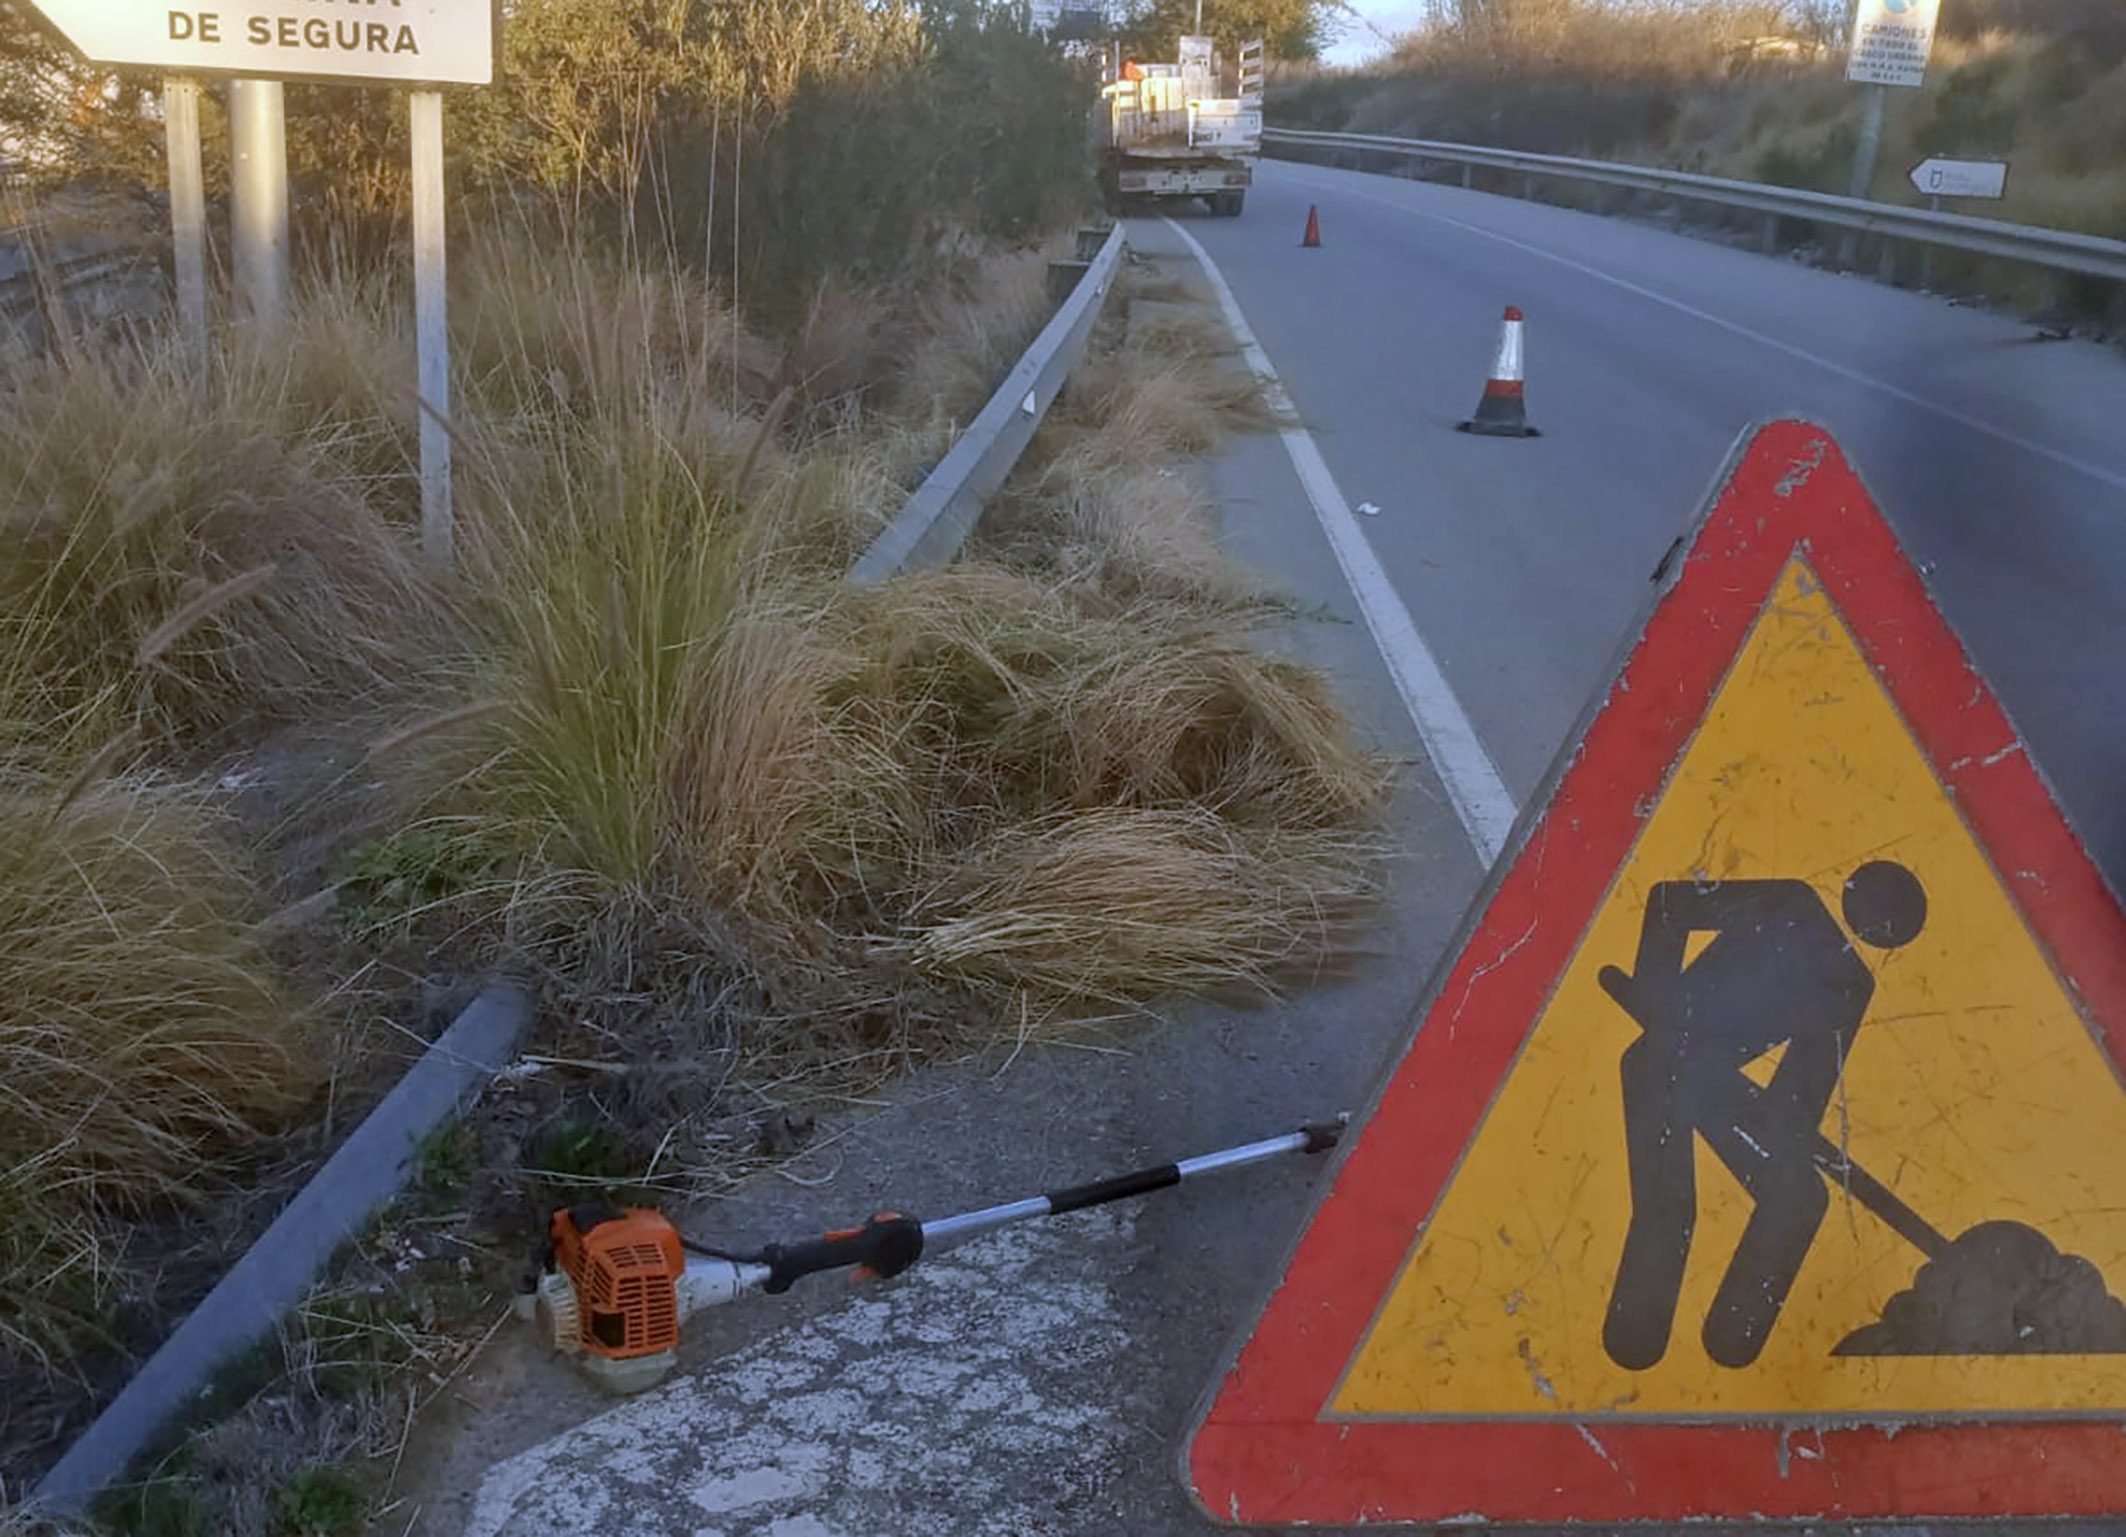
(1970, 1087)
(1762, 1149)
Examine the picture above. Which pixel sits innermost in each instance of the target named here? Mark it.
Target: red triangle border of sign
(1261, 1454)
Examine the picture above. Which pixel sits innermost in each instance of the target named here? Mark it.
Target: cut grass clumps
(845, 779)
(1120, 904)
(141, 1036)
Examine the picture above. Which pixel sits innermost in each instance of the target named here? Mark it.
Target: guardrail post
(1926, 254)
(1886, 263)
(1063, 278)
(1528, 187)
(1468, 174)
(1771, 234)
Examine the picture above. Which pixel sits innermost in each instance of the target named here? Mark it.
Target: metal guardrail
(937, 519)
(2057, 250)
(23, 293)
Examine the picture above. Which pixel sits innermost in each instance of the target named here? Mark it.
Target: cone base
(1498, 429)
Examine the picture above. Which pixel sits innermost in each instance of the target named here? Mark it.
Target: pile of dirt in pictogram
(2001, 1289)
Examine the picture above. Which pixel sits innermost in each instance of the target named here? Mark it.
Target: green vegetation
(322, 1501)
(447, 1161)
(1288, 29)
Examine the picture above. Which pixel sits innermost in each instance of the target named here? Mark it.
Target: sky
(1358, 44)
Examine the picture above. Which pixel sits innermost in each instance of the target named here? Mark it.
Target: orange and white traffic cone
(1503, 412)
(1313, 238)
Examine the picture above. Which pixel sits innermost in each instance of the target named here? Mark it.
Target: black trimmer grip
(1323, 1135)
(885, 1246)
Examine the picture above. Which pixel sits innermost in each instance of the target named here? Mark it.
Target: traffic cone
(1313, 240)
(1503, 413)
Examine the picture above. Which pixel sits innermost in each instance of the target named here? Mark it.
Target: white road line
(1852, 375)
(1472, 782)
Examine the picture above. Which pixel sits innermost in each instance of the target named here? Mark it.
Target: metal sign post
(188, 213)
(431, 324)
(418, 43)
(1892, 42)
(258, 204)
(1939, 178)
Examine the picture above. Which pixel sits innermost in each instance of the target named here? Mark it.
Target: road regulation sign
(1892, 41)
(1761, 1151)
(1961, 178)
(400, 42)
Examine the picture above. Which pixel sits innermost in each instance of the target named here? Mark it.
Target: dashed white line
(1474, 788)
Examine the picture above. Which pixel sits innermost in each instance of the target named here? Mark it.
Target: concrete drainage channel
(371, 1166)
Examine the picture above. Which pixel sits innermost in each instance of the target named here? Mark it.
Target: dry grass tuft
(141, 1033)
(191, 556)
(649, 742)
(1123, 904)
(821, 763)
(1101, 502)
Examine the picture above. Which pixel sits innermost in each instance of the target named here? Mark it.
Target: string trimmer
(616, 1282)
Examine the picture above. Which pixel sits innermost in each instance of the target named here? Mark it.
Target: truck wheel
(1233, 203)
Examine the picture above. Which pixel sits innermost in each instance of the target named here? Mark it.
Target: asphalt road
(1038, 1382)
(2000, 459)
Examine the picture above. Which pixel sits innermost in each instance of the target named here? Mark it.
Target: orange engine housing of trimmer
(624, 1265)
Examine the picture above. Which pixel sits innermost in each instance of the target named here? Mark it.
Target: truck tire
(1226, 205)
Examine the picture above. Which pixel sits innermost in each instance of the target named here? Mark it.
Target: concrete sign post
(423, 43)
(1961, 178)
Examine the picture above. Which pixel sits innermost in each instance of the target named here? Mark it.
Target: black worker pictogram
(1778, 972)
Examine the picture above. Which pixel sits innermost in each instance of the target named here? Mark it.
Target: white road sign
(426, 42)
(1892, 41)
(1961, 178)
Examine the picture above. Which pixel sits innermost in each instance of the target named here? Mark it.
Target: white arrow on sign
(1961, 178)
(399, 42)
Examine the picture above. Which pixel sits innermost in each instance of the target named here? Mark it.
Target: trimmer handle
(883, 1247)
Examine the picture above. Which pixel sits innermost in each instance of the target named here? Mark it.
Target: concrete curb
(365, 1172)
(933, 525)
